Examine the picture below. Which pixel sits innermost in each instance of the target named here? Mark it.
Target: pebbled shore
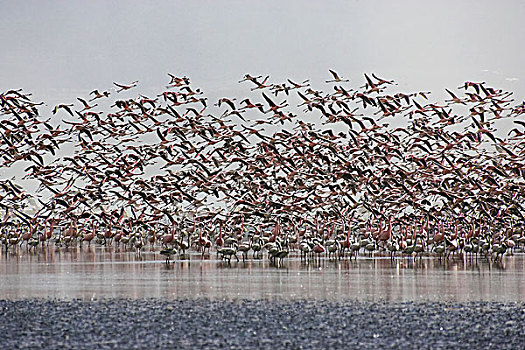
(259, 324)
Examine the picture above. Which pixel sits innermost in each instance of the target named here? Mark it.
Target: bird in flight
(336, 79)
(126, 87)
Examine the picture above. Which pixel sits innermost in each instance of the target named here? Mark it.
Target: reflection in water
(94, 272)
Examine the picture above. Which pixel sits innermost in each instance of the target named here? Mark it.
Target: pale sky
(63, 49)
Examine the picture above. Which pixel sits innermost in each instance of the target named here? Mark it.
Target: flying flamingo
(336, 79)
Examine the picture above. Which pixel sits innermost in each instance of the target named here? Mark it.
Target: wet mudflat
(259, 324)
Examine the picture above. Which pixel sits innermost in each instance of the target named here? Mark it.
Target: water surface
(95, 272)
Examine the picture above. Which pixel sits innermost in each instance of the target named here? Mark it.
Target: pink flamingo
(89, 237)
(168, 238)
(275, 231)
(219, 242)
(345, 244)
(385, 235)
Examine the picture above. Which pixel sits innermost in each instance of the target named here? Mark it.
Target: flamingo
(126, 87)
(345, 244)
(281, 254)
(245, 247)
(275, 231)
(257, 245)
(384, 236)
(271, 171)
(219, 242)
(318, 249)
(168, 253)
(203, 241)
(30, 232)
(168, 238)
(227, 253)
(305, 249)
(336, 79)
(89, 237)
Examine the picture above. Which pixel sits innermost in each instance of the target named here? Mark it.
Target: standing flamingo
(168, 238)
(89, 237)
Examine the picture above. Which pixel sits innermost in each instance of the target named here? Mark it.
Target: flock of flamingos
(356, 168)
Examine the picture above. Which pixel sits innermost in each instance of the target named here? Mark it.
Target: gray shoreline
(259, 324)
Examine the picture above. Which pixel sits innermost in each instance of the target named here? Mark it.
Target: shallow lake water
(96, 273)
